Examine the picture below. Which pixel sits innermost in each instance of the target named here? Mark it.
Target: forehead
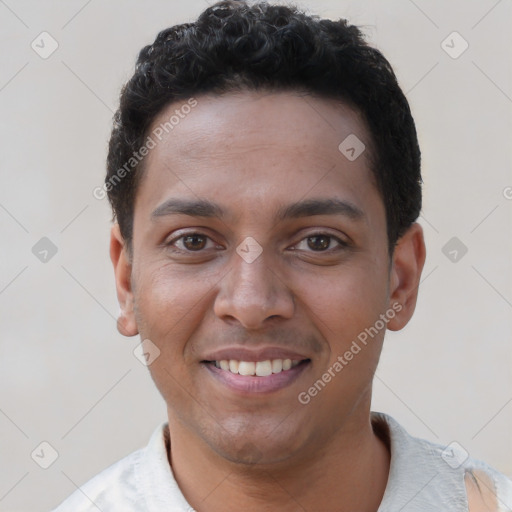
(292, 119)
(257, 148)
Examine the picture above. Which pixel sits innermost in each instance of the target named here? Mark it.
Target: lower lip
(253, 384)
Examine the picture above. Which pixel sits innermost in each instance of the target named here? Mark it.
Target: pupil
(190, 242)
(319, 242)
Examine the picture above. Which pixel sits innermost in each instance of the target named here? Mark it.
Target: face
(259, 247)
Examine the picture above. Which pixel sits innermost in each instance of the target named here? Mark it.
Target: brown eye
(194, 242)
(319, 242)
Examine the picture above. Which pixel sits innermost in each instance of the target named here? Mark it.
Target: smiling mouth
(257, 368)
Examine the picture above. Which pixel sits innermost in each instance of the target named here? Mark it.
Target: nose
(253, 293)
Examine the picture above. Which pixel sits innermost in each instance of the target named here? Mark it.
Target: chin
(255, 445)
(251, 455)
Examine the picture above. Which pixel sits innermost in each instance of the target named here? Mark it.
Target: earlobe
(408, 260)
(120, 257)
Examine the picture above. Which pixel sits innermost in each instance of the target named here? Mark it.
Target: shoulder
(141, 482)
(115, 488)
(433, 474)
(126, 484)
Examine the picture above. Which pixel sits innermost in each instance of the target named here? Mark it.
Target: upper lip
(255, 354)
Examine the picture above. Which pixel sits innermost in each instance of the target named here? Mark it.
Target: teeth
(277, 365)
(263, 368)
(260, 368)
(245, 368)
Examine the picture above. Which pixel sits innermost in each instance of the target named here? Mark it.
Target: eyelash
(341, 244)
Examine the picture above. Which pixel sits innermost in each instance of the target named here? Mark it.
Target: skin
(481, 493)
(253, 153)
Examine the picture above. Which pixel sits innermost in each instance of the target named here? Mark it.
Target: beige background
(68, 378)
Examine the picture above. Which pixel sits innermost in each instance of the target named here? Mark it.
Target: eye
(320, 242)
(191, 242)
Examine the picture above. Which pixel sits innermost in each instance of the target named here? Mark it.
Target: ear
(121, 260)
(407, 265)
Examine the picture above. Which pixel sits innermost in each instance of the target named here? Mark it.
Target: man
(264, 174)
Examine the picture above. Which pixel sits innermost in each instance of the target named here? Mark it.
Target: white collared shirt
(423, 477)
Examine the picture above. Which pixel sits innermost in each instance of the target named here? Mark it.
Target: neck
(349, 472)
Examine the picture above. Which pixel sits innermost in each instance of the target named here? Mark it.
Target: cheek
(167, 302)
(347, 304)
(169, 309)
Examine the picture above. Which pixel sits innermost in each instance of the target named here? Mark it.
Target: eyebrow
(311, 207)
(194, 208)
(305, 208)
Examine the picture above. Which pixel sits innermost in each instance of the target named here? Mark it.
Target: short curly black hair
(234, 46)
